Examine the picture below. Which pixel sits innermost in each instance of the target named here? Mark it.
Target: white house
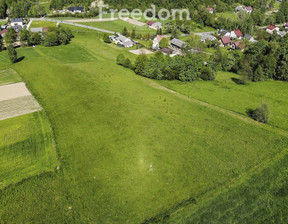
(16, 22)
(206, 37)
(156, 25)
(236, 34)
(123, 41)
(249, 38)
(271, 28)
(156, 41)
(210, 10)
(248, 9)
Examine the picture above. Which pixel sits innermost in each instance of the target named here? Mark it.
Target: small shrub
(106, 39)
(207, 74)
(260, 114)
(12, 54)
(120, 59)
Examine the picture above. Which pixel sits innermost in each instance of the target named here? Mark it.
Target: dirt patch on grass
(16, 100)
(134, 22)
(141, 51)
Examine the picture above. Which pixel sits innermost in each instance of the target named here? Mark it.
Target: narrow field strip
(12, 91)
(16, 100)
(18, 106)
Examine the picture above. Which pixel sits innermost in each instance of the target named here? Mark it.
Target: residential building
(16, 22)
(157, 40)
(177, 44)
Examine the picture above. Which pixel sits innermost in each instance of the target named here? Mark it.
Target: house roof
(239, 7)
(207, 36)
(166, 50)
(36, 30)
(178, 43)
(157, 24)
(249, 8)
(282, 33)
(238, 33)
(286, 24)
(248, 36)
(150, 23)
(160, 37)
(239, 44)
(15, 20)
(3, 31)
(271, 27)
(222, 32)
(75, 8)
(226, 40)
(210, 9)
(17, 28)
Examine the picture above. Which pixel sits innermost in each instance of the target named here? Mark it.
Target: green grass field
(26, 145)
(228, 15)
(26, 148)
(118, 26)
(37, 24)
(227, 94)
(8, 76)
(111, 125)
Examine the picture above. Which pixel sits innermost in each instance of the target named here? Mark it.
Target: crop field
(131, 149)
(118, 26)
(26, 146)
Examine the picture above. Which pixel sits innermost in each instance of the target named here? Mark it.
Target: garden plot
(16, 100)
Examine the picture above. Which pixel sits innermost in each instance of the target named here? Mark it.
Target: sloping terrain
(129, 149)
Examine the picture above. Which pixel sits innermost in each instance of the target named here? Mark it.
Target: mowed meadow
(130, 150)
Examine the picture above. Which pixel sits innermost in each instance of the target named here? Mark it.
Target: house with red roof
(150, 23)
(3, 32)
(238, 45)
(236, 34)
(157, 40)
(225, 41)
(248, 9)
(271, 28)
(286, 26)
(210, 10)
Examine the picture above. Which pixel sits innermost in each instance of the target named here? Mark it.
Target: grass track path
(217, 108)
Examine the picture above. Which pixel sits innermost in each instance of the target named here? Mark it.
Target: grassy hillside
(130, 149)
(263, 198)
(37, 24)
(227, 94)
(26, 146)
(8, 76)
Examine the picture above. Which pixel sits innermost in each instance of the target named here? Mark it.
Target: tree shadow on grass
(239, 81)
(20, 59)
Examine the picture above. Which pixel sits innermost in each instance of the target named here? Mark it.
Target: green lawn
(8, 76)
(26, 145)
(37, 24)
(111, 125)
(227, 94)
(228, 15)
(26, 148)
(118, 26)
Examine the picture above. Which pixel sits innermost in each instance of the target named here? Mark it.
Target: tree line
(53, 37)
(184, 68)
